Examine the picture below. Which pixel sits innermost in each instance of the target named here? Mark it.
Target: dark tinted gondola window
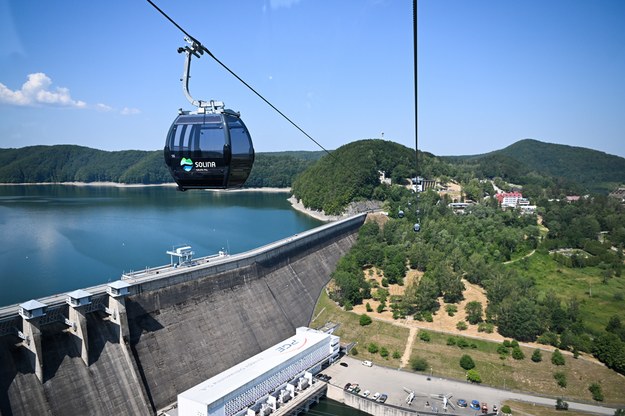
(212, 140)
(239, 139)
(181, 138)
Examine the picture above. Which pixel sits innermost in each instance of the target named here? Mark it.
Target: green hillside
(594, 170)
(69, 163)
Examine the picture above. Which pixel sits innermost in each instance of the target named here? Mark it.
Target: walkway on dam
(393, 382)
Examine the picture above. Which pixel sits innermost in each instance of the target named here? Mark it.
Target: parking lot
(393, 383)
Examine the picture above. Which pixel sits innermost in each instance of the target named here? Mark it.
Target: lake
(57, 238)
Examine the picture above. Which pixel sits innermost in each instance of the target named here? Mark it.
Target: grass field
(605, 302)
(443, 360)
(529, 409)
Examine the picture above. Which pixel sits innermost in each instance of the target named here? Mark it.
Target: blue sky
(491, 72)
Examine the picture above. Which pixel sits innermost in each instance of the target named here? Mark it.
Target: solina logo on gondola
(187, 164)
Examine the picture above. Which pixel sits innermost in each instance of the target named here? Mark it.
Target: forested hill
(597, 171)
(70, 163)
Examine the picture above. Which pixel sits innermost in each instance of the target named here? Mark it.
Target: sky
(106, 74)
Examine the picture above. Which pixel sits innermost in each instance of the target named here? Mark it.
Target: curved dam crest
(171, 332)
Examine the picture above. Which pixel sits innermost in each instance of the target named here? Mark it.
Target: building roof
(118, 284)
(226, 382)
(32, 304)
(79, 294)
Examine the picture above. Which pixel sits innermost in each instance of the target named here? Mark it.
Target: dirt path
(521, 258)
(405, 359)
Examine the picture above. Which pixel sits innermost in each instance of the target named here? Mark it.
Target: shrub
(461, 326)
(560, 378)
(514, 343)
(462, 343)
(384, 352)
(424, 336)
(451, 341)
(537, 356)
(502, 350)
(557, 358)
(372, 348)
(418, 364)
(474, 345)
(348, 305)
(506, 409)
(369, 308)
(353, 351)
(473, 376)
(384, 282)
(380, 308)
(485, 327)
(428, 317)
(451, 309)
(467, 362)
(396, 355)
(597, 394)
(506, 343)
(365, 320)
(517, 353)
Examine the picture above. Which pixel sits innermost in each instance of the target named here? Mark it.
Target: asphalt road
(392, 382)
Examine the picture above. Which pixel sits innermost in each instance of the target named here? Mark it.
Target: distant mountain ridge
(71, 163)
(597, 171)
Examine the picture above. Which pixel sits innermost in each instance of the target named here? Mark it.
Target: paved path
(394, 381)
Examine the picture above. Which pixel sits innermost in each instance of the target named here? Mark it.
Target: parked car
(462, 403)
(367, 363)
(366, 393)
(484, 408)
(347, 386)
(475, 405)
(356, 390)
(375, 396)
(382, 398)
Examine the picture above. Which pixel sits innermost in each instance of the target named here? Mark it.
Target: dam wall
(174, 328)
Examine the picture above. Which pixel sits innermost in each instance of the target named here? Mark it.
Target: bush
(502, 350)
(462, 343)
(384, 352)
(384, 282)
(514, 343)
(517, 353)
(506, 343)
(537, 356)
(557, 358)
(353, 351)
(451, 341)
(396, 355)
(451, 309)
(419, 364)
(466, 362)
(372, 348)
(597, 394)
(348, 305)
(380, 308)
(461, 326)
(485, 327)
(560, 378)
(506, 409)
(369, 308)
(424, 336)
(473, 376)
(428, 317)
(365, 320)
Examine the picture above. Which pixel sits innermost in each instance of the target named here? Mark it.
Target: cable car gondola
(209, 148)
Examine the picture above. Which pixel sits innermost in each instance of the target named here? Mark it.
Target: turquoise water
(57, 238)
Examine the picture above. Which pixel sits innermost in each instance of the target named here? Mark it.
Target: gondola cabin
(211, 150)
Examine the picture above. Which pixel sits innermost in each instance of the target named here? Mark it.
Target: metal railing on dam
(158, 277)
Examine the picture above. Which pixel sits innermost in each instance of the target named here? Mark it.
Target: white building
(234, 390)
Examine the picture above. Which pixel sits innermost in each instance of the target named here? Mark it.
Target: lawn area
(383, 334)
(443, 359)
(605, 302)
(530, 409)
(524, 375)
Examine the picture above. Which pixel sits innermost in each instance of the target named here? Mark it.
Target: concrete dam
(131, 346)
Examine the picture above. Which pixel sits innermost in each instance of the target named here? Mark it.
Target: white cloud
(130, 111)
(36, 91)
(276, 4)
(103, 107)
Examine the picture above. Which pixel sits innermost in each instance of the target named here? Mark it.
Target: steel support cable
(205, 49)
